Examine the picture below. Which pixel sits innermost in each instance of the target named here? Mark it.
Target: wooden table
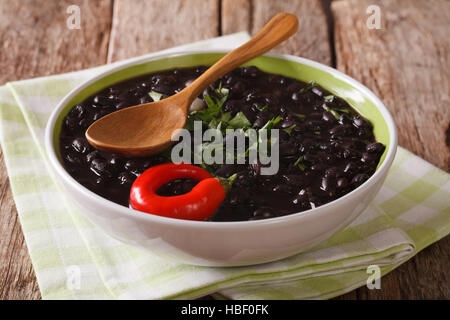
(406, 63)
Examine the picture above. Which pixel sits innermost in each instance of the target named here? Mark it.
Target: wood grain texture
(407, 64)
(236, 16)
(35, 41)
(142, 26)
(312, 39)
(40, 43)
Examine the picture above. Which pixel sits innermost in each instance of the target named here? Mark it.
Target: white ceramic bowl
(228, 243)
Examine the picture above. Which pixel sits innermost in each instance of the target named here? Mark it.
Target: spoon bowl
(147, 129)
(152, 123)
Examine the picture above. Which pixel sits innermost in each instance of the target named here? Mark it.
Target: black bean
(263, 213)
(156, 79)
(338, 130)
(116, 161)
(101, 181)
(188, 82)
(287, 148)
(73, 158)
(342, 183)
(226, 170)
(260, 121)
(84, 123)
(350, 168)
(100, 167)
(125, 95)
(359, 122)
(138, 165)
(328, 183)
(99, 115)
(200, 69)
(310, 157)
(169, 80)
(232, 106)
(251, 96)
(125, 178)
(318, 167)
(282, 189)
(375, 147)
(300, 200)
(250, 72)
(306, 145)
(78, 111)
(162, 88)
(359, 179)
(313, 125)
(368, 157)
(294, 86)
(344, 120)
(101, 100)
(81, 145)
(287, 122)
(145, 99)
(238, 196)
(295, 179)
(272, 100)
(125, 104)
(278, 79)
(92, 155)
(71, 123)
(114, 91)
(296, 96)
(237, 90)
(332, 172)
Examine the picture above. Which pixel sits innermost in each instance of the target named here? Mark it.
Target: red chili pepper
(198, 204)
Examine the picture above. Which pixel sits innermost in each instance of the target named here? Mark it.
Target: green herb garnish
(333, 112)
(271, 123)
(289, 130)
(308, 87)
(227, 182)
(329, 98)
(156, 96)
(299, 163)
(239, 121)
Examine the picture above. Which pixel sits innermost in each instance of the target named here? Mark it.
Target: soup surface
(326, 149)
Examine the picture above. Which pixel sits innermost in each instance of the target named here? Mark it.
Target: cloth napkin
(73, 259)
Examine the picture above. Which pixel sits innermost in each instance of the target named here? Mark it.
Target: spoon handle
(278, 29)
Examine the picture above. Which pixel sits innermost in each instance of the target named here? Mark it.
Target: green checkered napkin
(74, 259)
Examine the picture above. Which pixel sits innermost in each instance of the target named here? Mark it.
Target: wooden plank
(236, 16)
(311, 41)
(40, 43)
(407, 64)
(143, 26)
(35, 41)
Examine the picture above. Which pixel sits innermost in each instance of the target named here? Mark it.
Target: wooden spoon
(146, 129)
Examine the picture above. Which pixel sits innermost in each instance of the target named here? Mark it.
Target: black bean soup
(326, 148)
